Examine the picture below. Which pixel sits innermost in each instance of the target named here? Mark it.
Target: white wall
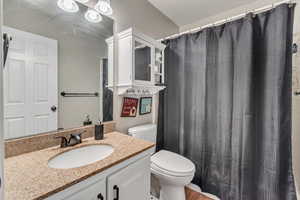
(239, 10)
(147, 19)
(296, 105)
(1, 112)
(143, 16)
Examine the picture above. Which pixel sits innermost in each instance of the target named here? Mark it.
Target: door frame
(1, 109)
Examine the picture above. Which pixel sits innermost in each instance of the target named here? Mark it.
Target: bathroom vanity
(123, 175)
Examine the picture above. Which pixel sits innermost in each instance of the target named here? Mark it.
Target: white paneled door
(30, 85)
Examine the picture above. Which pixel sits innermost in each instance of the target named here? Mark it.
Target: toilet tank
(146, 132)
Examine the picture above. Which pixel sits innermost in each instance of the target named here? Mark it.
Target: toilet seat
(172, 164)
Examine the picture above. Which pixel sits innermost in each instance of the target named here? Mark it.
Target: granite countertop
(28, 176)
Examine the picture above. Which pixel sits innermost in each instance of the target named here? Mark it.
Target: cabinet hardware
(6, 40)
(53, 108)
(79, 94)
(116, 188)
(100, 196)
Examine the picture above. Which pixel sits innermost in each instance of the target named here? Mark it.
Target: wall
(237, 11)
(79, 58)
(143, 16)
(1, 111)
(296, 102)
(296, 115)
(147, 19)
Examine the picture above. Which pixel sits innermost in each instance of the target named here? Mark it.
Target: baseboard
(297, 190)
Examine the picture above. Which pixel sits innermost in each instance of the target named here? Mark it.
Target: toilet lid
(173, 163)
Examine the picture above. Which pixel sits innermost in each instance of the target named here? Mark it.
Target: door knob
(53, 108)
(100, 196)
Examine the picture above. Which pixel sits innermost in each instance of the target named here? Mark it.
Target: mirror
(55, 75)
(142, 62)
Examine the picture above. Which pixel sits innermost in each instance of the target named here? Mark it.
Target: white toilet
(173, 171)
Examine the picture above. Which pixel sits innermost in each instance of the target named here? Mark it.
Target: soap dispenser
(99, 134)
(87, 121)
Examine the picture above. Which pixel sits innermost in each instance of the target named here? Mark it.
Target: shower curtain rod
(229, 19)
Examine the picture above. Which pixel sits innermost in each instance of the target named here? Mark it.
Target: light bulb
(83, 1)
(68, 5)
(103, 6)
(93, 16)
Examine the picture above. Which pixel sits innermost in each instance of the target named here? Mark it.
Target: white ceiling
(183, 12)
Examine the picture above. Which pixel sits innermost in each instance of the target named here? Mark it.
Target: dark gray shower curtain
(227, 106)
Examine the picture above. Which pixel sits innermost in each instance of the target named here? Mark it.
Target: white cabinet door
(130, 183)
(96, 191)
(142, 62)
(30, 84)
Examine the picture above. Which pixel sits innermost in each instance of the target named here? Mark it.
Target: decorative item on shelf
(141, 90)
(138, 91)
(145, 105)
(156, 69)
(158, 57)
(129, 108)
(87, 121)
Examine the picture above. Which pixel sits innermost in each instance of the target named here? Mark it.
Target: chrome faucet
(75, 138)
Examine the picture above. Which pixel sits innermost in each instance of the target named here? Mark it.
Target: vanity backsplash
(20, 146)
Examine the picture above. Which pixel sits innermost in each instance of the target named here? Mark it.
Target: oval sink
(80, 156)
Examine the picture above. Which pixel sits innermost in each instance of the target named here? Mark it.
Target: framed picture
(129, 108)
(145, 105)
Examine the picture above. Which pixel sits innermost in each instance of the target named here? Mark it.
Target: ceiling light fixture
(83, 1)
(68, 5)
(93, 16)
(103, 6)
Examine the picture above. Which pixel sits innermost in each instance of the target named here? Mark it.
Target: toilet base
(171, 192)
